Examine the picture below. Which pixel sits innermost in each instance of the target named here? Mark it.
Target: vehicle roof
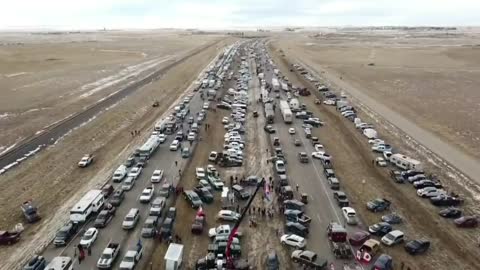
(396, 233)
(371, 243)
(348, 209)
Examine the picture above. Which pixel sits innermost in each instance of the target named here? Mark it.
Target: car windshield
(146, 192)
(129, 218)
(61, 233)
(129, 259)
(148, 225)
(106, 256)
(390, 237)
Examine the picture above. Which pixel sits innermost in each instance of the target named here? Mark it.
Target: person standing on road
(176, 163)
(297, 187)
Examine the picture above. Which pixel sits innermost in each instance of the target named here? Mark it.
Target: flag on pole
(267, 190)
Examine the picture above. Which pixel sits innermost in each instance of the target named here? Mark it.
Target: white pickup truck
(131, 258)
(109, 255)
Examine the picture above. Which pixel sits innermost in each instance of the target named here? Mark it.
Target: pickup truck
(297, 216)
(222, 230)
(85, 161)
(131, 258)
(108, 256)
(30, 212)
(9, 237)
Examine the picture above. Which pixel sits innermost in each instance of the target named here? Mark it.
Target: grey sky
(217, 14)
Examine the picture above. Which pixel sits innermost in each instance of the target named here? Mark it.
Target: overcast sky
(223, 14)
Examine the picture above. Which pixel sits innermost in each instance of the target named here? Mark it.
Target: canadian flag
(267, 190)
(200, 212)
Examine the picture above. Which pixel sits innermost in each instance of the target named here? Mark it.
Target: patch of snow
(5, 115)
(6, 148)
(15, 74)
(129, 72)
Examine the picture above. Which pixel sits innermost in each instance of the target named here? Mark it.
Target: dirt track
(52, 179)
(451, 248)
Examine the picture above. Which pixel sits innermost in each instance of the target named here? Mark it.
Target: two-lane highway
(322, 207)
(163, 159)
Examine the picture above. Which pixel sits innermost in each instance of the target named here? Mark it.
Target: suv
(272, 261)
(204, 194)
(192, 198)
(65, 234)
(167, 228)
(240, 192)
(117, 197)
(104, 217)
(150, 227)
(341, 198)
(303, 157)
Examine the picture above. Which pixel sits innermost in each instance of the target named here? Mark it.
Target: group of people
(135, 133)
(81, 252)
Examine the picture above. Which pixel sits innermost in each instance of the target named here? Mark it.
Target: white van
(119, 173)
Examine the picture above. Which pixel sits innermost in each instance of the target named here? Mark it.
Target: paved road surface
(164, 159)
(51, 134)
(463, 162)
(322, 207)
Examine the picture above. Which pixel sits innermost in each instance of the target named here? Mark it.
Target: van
(240, 192)
(404, 162)
(119, 173)
(194, 127)
(131, 219)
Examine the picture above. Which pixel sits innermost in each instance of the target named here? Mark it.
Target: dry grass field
(47, 77)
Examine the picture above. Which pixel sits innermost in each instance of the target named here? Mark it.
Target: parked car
(167, 228)
(198, 224)
(157, 176)
(397, 176)
(383, 262)
(321, 155)
(341, 198)
(378, 205)
(85, 161)
(446, 200)
(65, 234)
(104, 217)
(293, 241)
(380, 229)
(146, 194)
(272, 261)
(296, 228)
(466, 222)
(415, 247)
(89, 237)
(280, 166)
(228, 215)
(450, 212)
(37, 262)
(393, 238)
(193, 198)
(303, 157)
(392, 218)
(358, 238)
(128, 183)
(204, 194)
(350, 215)
(117, 197)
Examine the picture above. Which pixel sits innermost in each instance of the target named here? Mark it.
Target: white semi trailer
(286, 112)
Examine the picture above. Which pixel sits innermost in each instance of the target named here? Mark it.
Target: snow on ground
(15, 74)
(5, 149)
(125, 74)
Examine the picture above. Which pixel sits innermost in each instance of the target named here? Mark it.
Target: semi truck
(275, 85)
(269, 113)
(286, 112)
